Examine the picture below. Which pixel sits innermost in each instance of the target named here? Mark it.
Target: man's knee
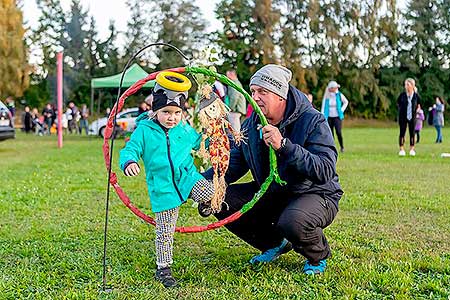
(295, 225)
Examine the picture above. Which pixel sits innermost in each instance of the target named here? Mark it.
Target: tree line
(368, 46)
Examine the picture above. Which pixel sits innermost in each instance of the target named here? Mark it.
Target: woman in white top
(334, 104)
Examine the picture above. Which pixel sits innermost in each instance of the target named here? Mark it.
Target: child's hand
(132, 169)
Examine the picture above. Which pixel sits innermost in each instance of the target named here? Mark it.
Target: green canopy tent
(133, 74)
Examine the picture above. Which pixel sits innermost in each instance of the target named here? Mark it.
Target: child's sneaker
(311, 269)
(204, 209)
(272, 254)
(412, 152)
(164, 276)
(402, 153)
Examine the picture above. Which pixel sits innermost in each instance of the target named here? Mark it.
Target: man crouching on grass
(291, 216)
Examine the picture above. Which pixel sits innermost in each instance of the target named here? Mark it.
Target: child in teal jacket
(165, 143)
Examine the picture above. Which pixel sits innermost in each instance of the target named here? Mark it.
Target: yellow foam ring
(173, 81)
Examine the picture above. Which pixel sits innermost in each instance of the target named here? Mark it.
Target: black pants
(335, 122)
(298, 218)
(417, 136)
(411, 126)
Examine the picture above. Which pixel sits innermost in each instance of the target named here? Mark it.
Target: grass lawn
(390, 240)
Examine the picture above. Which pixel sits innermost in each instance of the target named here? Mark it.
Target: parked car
(6, 127)
(125, 120)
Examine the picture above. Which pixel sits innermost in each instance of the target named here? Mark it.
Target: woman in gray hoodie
(438, 119)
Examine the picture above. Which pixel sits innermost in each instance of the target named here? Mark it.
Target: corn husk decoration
(213, 118)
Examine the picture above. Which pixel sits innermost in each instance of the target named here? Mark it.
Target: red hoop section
(113, 178)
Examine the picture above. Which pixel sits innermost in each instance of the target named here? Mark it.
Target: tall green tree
(424, 42)
(77, 53)
(46, 40)
(244, 46)
(137, 34)
(85, 56)
(266, 17)
(14, 69)
(108, 53)
(180, 23)
(47, 36)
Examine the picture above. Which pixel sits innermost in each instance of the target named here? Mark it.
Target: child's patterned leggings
(166, 221)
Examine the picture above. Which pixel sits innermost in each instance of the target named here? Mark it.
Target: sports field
(390, 240)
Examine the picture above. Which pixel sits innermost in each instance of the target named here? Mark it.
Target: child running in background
(420, 117)
(164, 142)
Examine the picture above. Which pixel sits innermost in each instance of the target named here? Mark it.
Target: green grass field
(390, 240)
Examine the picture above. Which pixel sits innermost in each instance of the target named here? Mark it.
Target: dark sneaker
(272, 254)
(204, 209)
(311, 269)
(164, 276)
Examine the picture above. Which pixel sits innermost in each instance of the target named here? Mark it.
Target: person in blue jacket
(292, 216)
(334, 104)
(164, 142)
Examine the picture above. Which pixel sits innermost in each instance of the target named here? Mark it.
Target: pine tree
(239, 37)
(136, 35)
(180, 23)
(266, 18)
(424, 52)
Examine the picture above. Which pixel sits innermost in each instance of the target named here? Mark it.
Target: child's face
(169, 116)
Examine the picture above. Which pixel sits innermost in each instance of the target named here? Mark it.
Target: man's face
(272, 105)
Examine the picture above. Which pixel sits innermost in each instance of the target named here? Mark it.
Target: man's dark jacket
(307, 162)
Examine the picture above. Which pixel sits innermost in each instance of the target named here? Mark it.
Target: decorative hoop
(124, 197)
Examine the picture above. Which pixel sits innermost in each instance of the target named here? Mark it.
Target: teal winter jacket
(169, 165)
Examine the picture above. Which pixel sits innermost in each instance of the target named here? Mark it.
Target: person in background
(420, 117)
(334, 104)
(143, 107)
(11, 107)
(27, 120)
(310, 99)
(84, 114)
(49, 115)
(237, 102)
(249, 111)
(149, 101)
(438, 119)
(220, 90)
(73, 119)
(407, 103)
(38, 124)
(107, 112)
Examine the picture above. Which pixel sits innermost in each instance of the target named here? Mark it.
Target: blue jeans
(84, 124)
(439, 133)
